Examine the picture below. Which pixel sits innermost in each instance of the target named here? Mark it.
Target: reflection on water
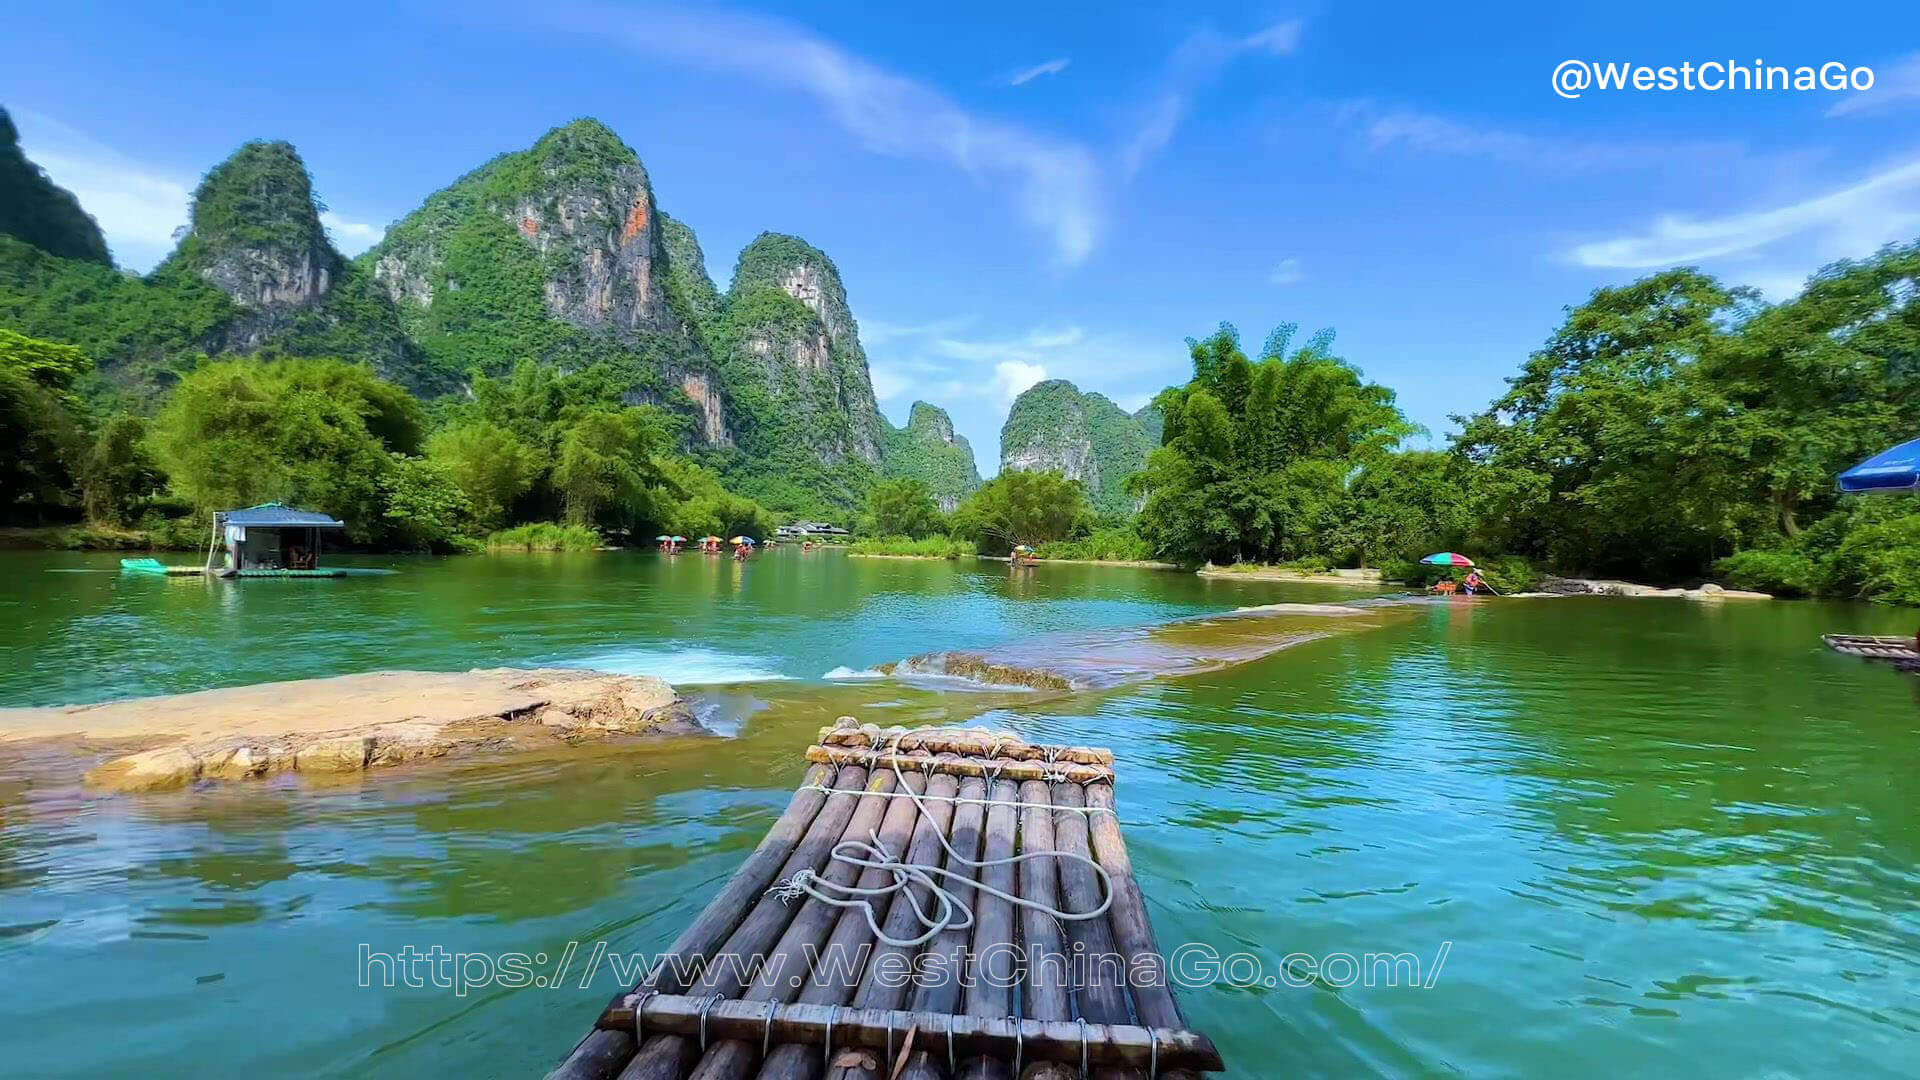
(1662, 837)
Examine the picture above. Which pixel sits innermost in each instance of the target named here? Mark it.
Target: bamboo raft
(1898, 651)
(1017, 832)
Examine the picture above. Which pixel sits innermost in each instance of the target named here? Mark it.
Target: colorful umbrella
(1447, 558)
(679, 539)
(663, 538)
(709, 539)
(747, 540)
(1023, 549)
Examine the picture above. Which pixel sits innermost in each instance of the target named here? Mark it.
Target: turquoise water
(1652, 836)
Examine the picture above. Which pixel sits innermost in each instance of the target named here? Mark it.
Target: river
(1622, 836)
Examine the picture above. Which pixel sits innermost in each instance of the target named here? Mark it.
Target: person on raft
(1474, 582)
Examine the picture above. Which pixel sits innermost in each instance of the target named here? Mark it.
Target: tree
(1024, 508)
(604, 464)
(40, 423)
(117, 471)
(491, 465)
(313, 433)
(903, 507)
(426, 509)
(1256, 458)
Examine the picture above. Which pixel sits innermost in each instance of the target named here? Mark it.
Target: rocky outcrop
(559, 253)
(930, 451)
(40, 212)
(1054, 427)
(254, 233)
(1559, 586)
(795, 353)
(250, 732)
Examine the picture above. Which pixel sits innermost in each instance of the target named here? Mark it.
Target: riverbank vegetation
(544, 536)
(905, 547)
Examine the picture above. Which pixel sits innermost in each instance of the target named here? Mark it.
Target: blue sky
(1019, 191)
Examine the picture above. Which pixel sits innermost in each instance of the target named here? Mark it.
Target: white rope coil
(949, 911)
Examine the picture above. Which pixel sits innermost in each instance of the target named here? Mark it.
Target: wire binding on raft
(952, 913)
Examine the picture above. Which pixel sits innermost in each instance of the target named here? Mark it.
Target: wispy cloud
(1431, 133)
(1051, 67)
(1055, 180)
(1893, 87)
(1194, 65)
(1288, 272)
(351, 237)
(1780, 245)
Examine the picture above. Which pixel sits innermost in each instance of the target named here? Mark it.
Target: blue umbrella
(1895, 470)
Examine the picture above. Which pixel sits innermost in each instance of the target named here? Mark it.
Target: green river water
(1649, 837)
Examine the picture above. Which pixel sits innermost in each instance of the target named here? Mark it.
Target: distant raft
(1898, 651)
(989, 867)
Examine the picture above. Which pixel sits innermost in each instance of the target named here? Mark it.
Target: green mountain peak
(40, 212)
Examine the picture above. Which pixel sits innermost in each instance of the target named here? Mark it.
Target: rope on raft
(950, 912)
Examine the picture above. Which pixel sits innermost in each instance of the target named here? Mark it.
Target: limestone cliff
(929, 450)
(556, 253)
(254, 234)
(1053, 426)
(794, 361)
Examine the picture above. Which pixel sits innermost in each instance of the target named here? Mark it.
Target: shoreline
(1368, 578)
(257, 731)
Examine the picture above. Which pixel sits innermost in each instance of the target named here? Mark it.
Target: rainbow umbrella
(1447, 558)
(747, 540)
(663, 538)
(709, 539)
(678, 539)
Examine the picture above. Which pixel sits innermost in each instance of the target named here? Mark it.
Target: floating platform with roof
(938, 903)
(270, 540)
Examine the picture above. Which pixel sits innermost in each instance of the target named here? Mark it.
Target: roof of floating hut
(271, 515)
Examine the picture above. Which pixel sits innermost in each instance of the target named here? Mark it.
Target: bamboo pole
(1132, 930)
(1110, 1045)
(938, 980)
(1045, 987)
(852, 941)
(994, 965)
(1103, 993)
(962, 766)
(785, 970)
(878, 991)
(669, 1057)
(602, 1053)
(968, 741)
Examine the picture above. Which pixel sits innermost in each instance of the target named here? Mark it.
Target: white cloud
(138, 207)
(1288, 272)
(1051, 67)
(1892, 87)
(1010, 377)
(351, 237)
(1851, 220)
(1195, 64)
(888, 383)
(1383, 129)
(1055, 179)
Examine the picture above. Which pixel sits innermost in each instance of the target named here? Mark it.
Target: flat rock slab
(353, 722)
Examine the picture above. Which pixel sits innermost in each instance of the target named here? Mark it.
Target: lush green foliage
(40, 423)
(1023, 508)
(925, 547)
(928, 450)
(1115, 544)
(39, 212)
(1257, 456)
(490, 464)
(544, 536)
(426, 510)
(902, 508)
(319, 434)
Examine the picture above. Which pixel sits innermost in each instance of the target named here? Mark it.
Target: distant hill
(929, 450)
(1053, 426)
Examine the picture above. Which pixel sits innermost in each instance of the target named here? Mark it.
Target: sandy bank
(1364, 576)
(351, 722)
